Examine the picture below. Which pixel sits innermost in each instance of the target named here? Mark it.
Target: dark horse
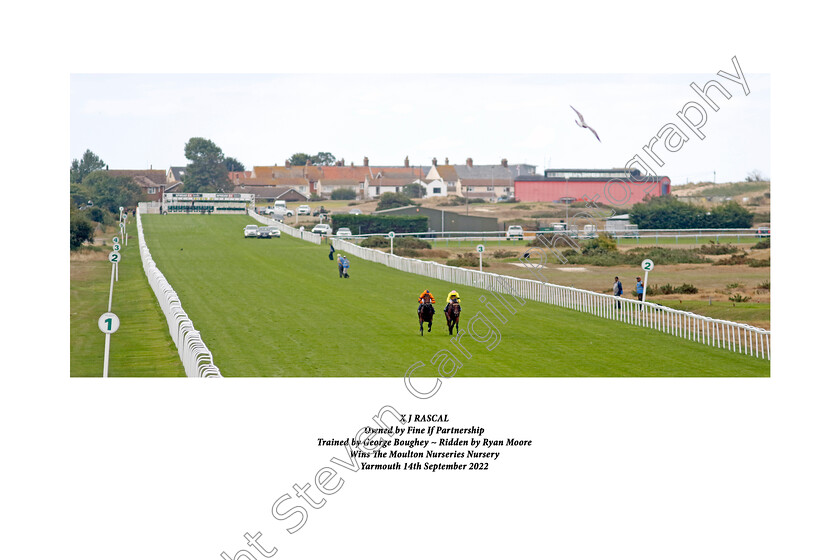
(426, 314)
(453, 316)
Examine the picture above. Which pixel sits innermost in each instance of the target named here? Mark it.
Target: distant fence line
(736, 337)
(196, 357)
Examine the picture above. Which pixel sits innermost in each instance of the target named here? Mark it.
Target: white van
(281, 210)
(589, 230)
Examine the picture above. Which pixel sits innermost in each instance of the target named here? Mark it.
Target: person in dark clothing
(332, 250)
(618, 289)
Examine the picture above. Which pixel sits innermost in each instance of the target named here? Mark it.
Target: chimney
(352, 164)
(366, 163)
(308, 162)
(434, 161)
(406, 161)
(288, 163)
(504, 162)
(446, 161)
(469, 162)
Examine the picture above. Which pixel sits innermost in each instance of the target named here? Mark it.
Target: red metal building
(615, 187)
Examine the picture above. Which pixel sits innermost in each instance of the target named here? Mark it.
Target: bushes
(763, 244)
(343, 194)
(399, 242)
(468, 259)
(666, 212)
(81, 230)
(667, 289)
(393, 200)
(743, 259)
(718, 249)
(503, 254)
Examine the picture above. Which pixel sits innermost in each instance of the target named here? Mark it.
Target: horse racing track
(277, 307)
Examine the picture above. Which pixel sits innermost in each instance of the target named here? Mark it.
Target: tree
(666, 212)
(323, 158)
(729, 215)
(89, 163)
(755, 176)
(111, 192)
(233, 164)
(207, 171)
(414, 190)
(81, 230)
(300, 158)
(393, 200)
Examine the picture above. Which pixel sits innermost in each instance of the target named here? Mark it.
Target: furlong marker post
(108, 322)
(647, 266)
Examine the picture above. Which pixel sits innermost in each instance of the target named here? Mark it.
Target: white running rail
(736, 337)
(196, 357)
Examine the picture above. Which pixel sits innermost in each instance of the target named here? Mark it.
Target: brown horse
(453, 316)
(426, 314)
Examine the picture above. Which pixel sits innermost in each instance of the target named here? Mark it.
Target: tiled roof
(270, 192)
(155, 175)
(447, 172)
(344, 173)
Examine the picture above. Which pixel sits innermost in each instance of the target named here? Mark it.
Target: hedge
(364, 223)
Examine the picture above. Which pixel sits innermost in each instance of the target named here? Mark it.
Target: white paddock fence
(288, 230)
(736, 337)
(196, 357)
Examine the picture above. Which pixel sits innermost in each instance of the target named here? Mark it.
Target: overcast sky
(135, 121)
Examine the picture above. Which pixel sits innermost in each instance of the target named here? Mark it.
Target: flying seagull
(583, 124)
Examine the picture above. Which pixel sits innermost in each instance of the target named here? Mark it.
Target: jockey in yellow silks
(453, 297)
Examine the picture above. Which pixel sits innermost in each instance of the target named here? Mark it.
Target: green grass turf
(748, 312)
(142, 346)
(276, 307)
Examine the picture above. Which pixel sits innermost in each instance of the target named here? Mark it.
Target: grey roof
(495, 171)
(179, 172)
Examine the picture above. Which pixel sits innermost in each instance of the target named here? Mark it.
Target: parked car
(263, 233)
(344, 232)
(590, 231)
(762, 232)
(355, 211)
(515, 232)
(251, 230)
(322, 229)
(321, 211)
(303, 209)
(274, 231)
(281, 210)
(268, 210)
(558, 226)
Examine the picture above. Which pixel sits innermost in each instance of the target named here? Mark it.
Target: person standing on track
(340, 267)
